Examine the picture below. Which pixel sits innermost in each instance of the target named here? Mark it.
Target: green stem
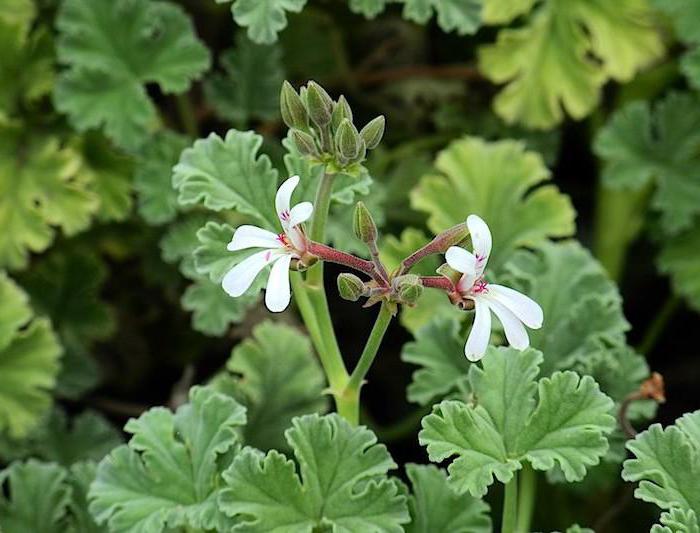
(526, 501)
(186, 114)
(510, 506)
(657, 327)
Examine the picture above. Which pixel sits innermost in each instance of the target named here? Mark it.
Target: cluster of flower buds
(323, 129)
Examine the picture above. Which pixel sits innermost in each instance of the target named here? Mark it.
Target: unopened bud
(363, 224)
(351, 287)
(293, 111)
(451, 237)
(347, 140)
(373, 132)
(408, 288)
(320, 105)
(341, 110)
(304, 143)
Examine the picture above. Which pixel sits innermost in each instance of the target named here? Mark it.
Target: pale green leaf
(229, 174)
(560, 420)
(460, 16)
(640, 144)
(503, 11)
(679, 259)
(249, 87)
(563, 54)
(211, 258)
(677, 521)
(169, 473)
(81, 475)
(157, 199)
(368, 8)
(15, 311)
(113, 48)
(435, 508)
(38, 498)
(342, 483)
(274, 389)
(264, 19)
(499, 182)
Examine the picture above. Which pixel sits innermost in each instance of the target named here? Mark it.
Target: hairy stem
(526, 501)
(326, 253)
(438, 245)
(510, 506)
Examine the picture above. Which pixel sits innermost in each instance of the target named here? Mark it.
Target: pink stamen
(480, 285)
(282, 238)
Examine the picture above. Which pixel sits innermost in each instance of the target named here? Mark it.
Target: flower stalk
(510, 505)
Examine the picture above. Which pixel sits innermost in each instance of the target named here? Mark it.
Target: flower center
(282, 238)
(480, 286)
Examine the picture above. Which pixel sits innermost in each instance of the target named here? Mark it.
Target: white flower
(277, 249)
(512, 308)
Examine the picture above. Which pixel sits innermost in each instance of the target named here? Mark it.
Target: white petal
(481, 241)
(253, 237)
(514, 329)
(284, 195)
(241, 277)
(479, 336)
(278, 293)
(461, 260)
(526, 309)
(300, 213)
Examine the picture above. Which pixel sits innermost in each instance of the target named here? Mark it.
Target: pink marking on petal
(285, 215)
(480, 286)
(268, 255)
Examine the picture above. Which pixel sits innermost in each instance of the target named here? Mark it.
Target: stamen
(282, 238)
(480, 285)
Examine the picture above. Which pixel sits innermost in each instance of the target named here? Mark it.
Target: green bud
(408, 288)
(351, 287)
(304, 143)
(341, 110)
(446, 271)
(373, 132)
(320, 105)
(363, 224)
(293, 111)
(347, 141)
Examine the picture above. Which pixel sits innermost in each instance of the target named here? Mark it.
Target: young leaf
(460, 16)
(495, 181)
(249, 88)
(38, 498)
(435, 508)
(342, 482)
(640, 145)
(679, 259)
(29, 353)
(263, 18)
(169, 473)
(562, 56)
(157, 199)
(274, 389)
(559, 421)
(229, 174)
(114, 48)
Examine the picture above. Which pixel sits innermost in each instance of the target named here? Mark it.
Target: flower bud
(446, 271)
(408, 288)
(373, 132)
(320, 105)
(347, 140)
(293, 111)
(341, 110)
(363, 224)
(304, 143)
(351, 287)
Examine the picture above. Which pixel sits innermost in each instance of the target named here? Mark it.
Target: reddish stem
(326, 253)
(438, 282)
(438, 245)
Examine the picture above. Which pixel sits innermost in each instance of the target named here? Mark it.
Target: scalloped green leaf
(666, 464)
(342, 482)
(503, 11)
(264, 19)
(249, 86)
(679, 259)
(559, 59)
(29, 362)
(368, 8)
(436, 508)
(504, 184)
(112, 50)
(685, 15)
(157, 199)
(180, 241)
(677, 521)
(559, 421)
(460, 16)
(660, 145)
(274, 389)
(211, 258)
(229, 174)
(168, 475)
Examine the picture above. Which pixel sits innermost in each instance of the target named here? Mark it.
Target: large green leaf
(460, 16)
(559, 421)
(263, 18)
(564, 53)
(342, 483)
(249, 87)
(685, 15)
(29, 363)
(436, 508)
(228, 174)
(679, 259)
(667, 465)
(495, 181)
(113, 48)
(274, 389)
(168, 475)
(640, 145)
